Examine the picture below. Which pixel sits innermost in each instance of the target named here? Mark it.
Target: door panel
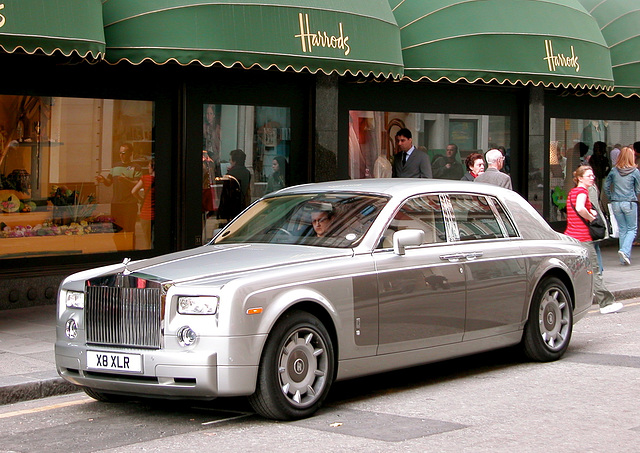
(495, 269)
(422, 299)
(496, 289)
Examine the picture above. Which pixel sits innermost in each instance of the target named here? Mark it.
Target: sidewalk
(27, 337)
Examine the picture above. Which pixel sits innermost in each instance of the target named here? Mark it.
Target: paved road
(492, 402)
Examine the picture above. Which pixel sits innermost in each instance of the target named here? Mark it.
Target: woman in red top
(579, 208)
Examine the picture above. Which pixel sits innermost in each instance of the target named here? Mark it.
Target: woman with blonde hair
(622, 187)
(579, 213)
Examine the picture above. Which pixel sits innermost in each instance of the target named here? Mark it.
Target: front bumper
(169, 374)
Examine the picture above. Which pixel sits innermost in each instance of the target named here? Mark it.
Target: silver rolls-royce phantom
(321, 282)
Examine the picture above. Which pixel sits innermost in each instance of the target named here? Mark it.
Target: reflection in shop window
(447, 138)
(574, 142)
(245, 155)
(74, 174)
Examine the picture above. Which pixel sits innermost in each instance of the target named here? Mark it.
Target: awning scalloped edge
(511, 82)
(261, 66)
(613, 94)
(97, 56)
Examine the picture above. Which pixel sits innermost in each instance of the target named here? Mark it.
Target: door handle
(453, 257)
(473, 255)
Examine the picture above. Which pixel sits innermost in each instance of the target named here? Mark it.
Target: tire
(104, 397)
(548, 330)
(296, 368)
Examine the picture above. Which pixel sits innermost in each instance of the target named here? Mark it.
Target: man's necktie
(404, 157)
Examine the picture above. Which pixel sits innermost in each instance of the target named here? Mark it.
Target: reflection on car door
(421, 296)
(495, 269)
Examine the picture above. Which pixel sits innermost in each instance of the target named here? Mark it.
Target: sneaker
(624, 259)
(614, 307)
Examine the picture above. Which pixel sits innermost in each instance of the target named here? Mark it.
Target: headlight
(198, 305)
(74, 299)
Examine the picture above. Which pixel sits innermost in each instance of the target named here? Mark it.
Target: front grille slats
(129, 317)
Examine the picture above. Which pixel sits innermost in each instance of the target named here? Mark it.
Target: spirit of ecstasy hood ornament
(125, 262)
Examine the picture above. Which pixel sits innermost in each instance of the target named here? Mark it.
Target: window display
(245, 155)
(446, 138)
(72, 175)
(574, 142)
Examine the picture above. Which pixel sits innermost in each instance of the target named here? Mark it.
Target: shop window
(574, 142)
(372, 140)
(259, 135)
(76, 175)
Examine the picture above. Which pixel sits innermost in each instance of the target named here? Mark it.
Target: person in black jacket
(236, 193)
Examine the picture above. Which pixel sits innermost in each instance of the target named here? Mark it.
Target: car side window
(474, 217)
(506, 220)
(418, 213)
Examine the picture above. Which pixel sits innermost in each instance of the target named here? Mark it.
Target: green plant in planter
(69, 205)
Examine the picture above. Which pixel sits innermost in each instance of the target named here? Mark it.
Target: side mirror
(407, 238)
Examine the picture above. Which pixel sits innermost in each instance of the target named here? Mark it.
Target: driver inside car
(321, 221)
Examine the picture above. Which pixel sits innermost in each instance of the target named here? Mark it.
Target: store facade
(151, 100)
(86, 138)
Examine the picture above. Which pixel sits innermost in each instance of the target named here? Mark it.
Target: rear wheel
(296, 368)
(548, 329)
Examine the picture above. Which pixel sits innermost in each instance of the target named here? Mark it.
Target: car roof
(397, 187)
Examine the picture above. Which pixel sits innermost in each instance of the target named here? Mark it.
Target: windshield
(328, 220)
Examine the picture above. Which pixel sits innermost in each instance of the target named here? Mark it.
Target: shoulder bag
(597, 227)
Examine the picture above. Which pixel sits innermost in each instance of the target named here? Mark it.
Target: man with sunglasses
(123, 176)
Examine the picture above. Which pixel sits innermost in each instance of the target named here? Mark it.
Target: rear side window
(506, 221)
(475, 217)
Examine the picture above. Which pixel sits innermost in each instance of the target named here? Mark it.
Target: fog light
(71, 329)
(186, 336)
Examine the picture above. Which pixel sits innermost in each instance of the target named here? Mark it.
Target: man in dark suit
(410, 162)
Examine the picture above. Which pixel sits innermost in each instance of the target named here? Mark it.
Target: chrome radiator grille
(117, 316)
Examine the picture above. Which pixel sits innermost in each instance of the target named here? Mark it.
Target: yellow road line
(633, 304)
(45, 408)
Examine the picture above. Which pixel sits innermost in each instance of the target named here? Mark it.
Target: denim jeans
(596, 245)
(626, 213)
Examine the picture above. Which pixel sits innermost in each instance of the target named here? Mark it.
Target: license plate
(114, 361)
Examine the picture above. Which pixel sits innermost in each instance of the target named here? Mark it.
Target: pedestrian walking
(622, 187)
(580, 211)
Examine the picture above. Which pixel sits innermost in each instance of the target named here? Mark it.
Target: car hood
(217, 261)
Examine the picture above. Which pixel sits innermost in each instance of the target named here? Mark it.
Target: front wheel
(103, 396)
(296, 368)
(548, 329)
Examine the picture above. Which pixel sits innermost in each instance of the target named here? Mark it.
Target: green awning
(619, 21)
(66, 26)
(548, 42)
(356, 36)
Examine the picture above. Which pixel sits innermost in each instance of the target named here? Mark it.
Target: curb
(36, 389)
(623, 294)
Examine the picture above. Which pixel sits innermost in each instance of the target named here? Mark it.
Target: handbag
(597, 227)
